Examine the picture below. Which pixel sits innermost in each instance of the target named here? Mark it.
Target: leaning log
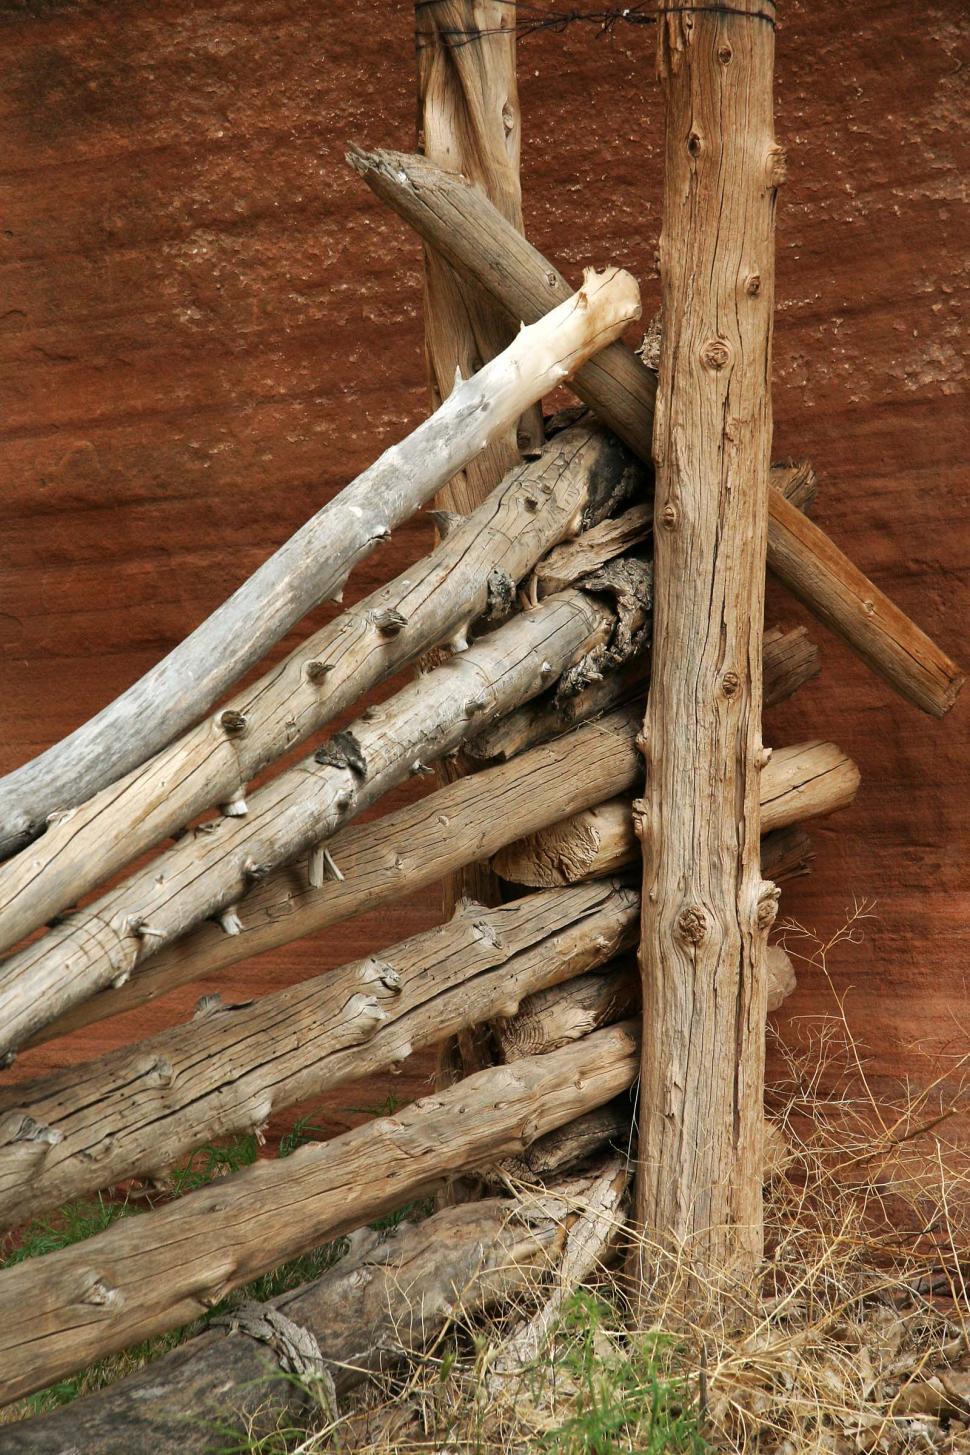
(392, 856)
(790, 659)
(163, 1268)
(208, 871)
(388, 1298)
(566, 1012)
(313, 564)
(583, 473)
(400, 854)
(461, 224)
(137, 1111)
(806, 780)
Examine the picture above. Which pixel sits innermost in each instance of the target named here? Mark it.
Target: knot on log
(628, 585)
(343, 751)
(233, 723)
(294, 1347)
(691, 927)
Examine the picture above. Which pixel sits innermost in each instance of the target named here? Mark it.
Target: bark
(205, 873)
(583, 474)
(800, 782)
(137, 1111)
(391, 857)
(790, 660)
(312, 565)
(706, 909)
(568, 1011)
(462, 225)
(469, 122)
(390, 1296)
(163, 1268)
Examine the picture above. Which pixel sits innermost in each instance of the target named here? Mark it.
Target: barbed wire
(529, 21)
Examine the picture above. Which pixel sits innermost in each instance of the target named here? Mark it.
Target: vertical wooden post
(706, 911)
(468, 122)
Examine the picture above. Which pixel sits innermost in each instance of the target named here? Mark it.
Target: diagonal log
(314, 563)
(580, 476)
(137, 1111)
(805, 780)
(208, 871)
(790, 659)
(552, 1018)
(461, 224)
(157, 1271)
(396, 855)
(389, 1297)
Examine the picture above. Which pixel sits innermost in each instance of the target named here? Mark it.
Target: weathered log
(313, 564)
(590, 1245)
(207, 872)
(159, 1270)
(803, 781)
(461, 224)
(138, 1110)
(469, 122)
(389, 1297)
(392, 856)
(584, 472)
(706, 908)
(790, 659)
(570, 1145)
(568, 1011)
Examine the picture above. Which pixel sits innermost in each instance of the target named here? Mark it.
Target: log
(581, 476)
(313, 564)
(391, 1295)
(549, 1019)
(390, 857)
(570, 1145)
(803, 781)
(461, 224)
(706, 909)
(205, 873)
(469, 122)
(163, 1268)
(137, 1111)
(790, 660)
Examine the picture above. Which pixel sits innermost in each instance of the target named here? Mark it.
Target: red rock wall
(207, 326)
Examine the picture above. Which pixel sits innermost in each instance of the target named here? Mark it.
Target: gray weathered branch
(584, 472)
(159, 1270)
(314, 563)
(136, 1111)
(208, 871)
(388, 1297)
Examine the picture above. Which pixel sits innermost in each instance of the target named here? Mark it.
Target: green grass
(628, 1399)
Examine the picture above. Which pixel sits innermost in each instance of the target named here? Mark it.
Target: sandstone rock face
(208, 325)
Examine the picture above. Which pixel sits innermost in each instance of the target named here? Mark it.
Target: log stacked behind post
(164, 1268)
(466, 229)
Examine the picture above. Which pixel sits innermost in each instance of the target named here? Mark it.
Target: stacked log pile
(532, 620)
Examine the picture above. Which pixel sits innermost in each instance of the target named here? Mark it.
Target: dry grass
(858, 1338)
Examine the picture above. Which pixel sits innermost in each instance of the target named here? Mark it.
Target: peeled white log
(315, 562)
(209, 870)
(801, 781)
(537, 505)
(790, 660)
(392, 1294)
(163, 1268)
(138, 1110)
(392, 856)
